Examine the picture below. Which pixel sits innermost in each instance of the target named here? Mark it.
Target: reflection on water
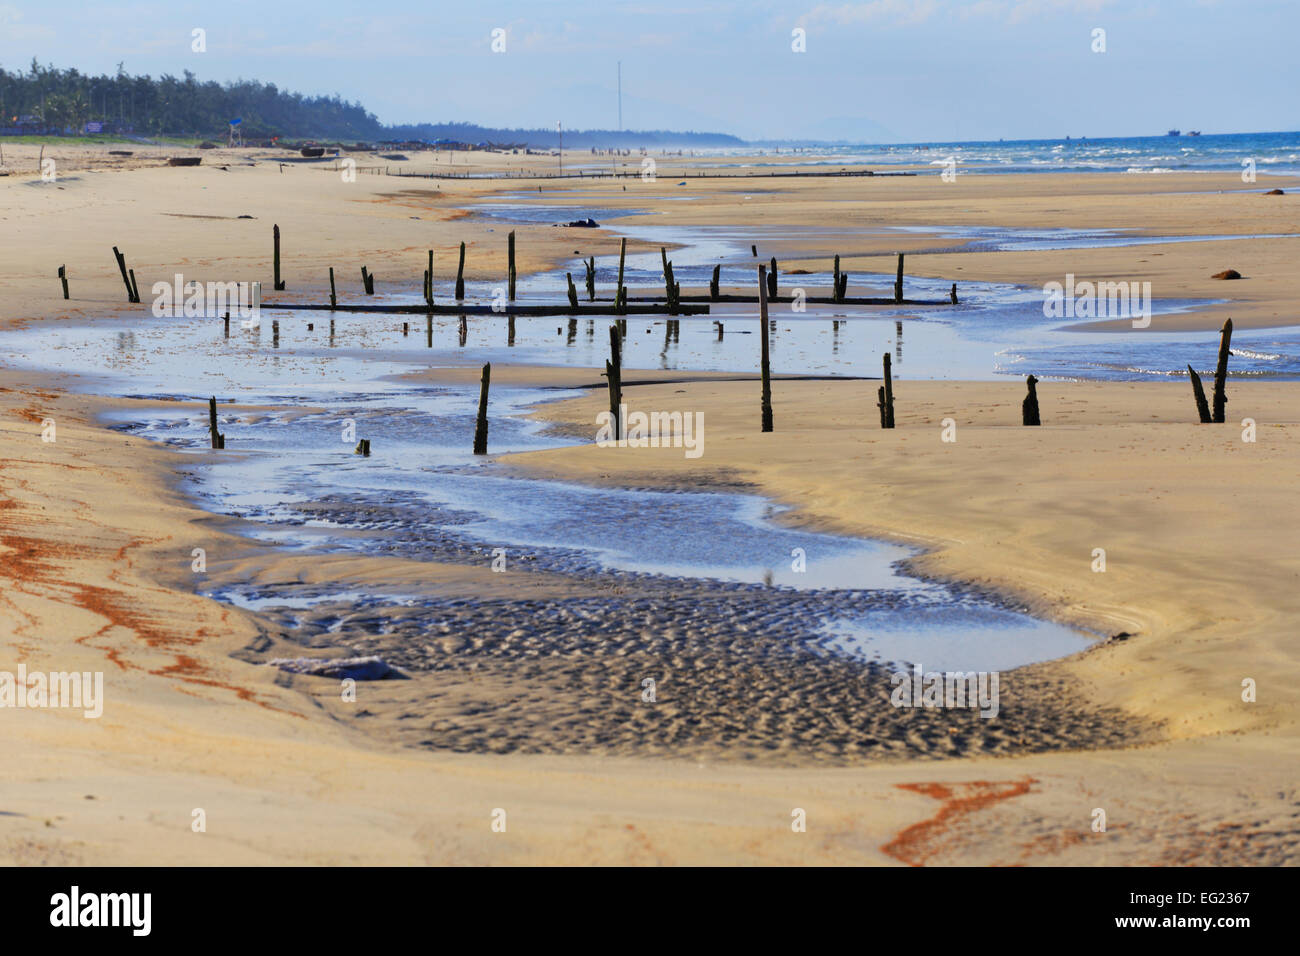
(290, 475)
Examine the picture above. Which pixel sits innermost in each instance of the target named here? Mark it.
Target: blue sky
(879, 70)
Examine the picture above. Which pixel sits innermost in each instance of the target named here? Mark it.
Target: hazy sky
(877, 70)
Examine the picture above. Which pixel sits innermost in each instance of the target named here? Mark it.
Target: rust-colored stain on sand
(917, 844)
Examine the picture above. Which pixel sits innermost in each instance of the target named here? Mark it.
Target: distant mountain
(573, 139)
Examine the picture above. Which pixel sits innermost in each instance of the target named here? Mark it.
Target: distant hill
(573, 139)
(50, 100)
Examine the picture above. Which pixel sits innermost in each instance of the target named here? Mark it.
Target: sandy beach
(1149, 722)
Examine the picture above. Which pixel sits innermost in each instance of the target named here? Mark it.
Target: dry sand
(1198, 527)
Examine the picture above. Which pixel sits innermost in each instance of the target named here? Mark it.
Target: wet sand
(1198, 527)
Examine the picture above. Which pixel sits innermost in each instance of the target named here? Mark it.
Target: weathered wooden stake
(591, 279)
(898, 280)
(1221, 372)
(279, 285)
(1029, 407)
(771, 281)
(887, 397)
(671, 288)
(1198, 392)
(135, 289)
(835, 281)
(218, 439)
(614, 375)
(363, 448)
(620, 293)
(227, 325)
(63, 277)
(481, 427)
(428, 282)
(953, 294)
(333, 298)
(714, 288)
(511, 277)
(766, 363)
(573, 290)
(460, 275)
(754, 251)
(126, 280)
(368, 281)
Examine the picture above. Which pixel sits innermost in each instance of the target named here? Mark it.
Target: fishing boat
(1174, 132)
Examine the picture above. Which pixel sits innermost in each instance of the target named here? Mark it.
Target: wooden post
(135, 289)
(898, 280)
(460, 275)
(227, 325)
(368, 281)
(887, 397)
(279, 285)
(481, 427)
(1198, 392)
(1029, 407)
(1221, 372)
(835, 281)
(754, 250)
(573, 291)
(428, 281)
(363, 448)
(953, 294)
(63, 277)
(121, 265)
(766, 363)
(510, 279)
(714, 287)
(591, 279)
(880, 404)
(218, 439)
(333, 298)
(614, 375)
(620, 297)
(671, 288)
(771, 281)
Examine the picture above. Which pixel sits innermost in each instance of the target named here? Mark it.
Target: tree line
(65, 100)
(46, 99)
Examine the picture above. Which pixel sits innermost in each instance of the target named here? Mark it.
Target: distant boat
(1174, 132)
(1194, 132)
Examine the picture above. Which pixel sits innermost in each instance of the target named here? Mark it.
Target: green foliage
(66, 99)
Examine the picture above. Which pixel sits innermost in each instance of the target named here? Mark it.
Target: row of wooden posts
(767, 291)
(672, 289)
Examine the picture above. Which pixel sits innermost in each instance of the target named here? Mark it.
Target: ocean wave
(1261, 356)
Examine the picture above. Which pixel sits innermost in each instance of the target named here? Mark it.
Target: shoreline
(102, 541)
